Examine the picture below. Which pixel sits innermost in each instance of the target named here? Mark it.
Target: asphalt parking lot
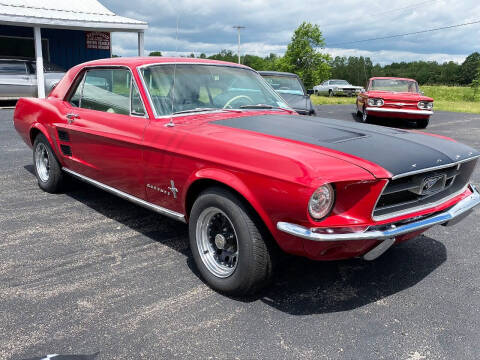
(86, 273)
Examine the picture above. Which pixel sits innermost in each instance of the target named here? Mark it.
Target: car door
(15, 81)
(323, 90)
(106, 126)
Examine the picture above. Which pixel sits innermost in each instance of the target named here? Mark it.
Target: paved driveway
(87, 273)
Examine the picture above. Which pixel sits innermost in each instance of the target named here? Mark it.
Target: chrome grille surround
(402, 194)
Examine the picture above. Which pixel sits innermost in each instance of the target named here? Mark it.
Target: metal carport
(86, 15)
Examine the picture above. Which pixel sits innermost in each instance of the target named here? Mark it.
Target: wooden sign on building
(97, 40)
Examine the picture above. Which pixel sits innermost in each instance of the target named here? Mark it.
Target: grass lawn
(446, 98)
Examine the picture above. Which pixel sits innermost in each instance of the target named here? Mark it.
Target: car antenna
(172, 96)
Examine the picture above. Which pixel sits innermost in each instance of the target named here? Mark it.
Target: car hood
(397, 151)
(297, 102)
(399, 96)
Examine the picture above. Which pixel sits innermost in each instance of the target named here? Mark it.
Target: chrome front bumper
(449, 217)
(402, 111)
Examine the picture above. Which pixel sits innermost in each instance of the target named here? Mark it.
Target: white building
(62, 32)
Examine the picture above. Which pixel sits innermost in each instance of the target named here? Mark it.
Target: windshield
(394, 85)
(339, 82)
(211, 87)
(285, 84)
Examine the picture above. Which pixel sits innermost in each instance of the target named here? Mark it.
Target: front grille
(411, 192)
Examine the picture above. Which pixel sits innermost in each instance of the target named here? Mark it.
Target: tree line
(304, 59)
(357, 69)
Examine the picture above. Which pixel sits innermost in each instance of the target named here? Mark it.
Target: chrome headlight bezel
(376, 102)
(321, 202)
(425, 105)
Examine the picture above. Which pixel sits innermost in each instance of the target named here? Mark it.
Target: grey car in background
(337, 87)
(18, 78)
(291, 89)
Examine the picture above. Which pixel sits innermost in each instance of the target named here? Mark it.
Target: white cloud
(207, 26)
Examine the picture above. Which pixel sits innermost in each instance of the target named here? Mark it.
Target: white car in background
(18, 78)
(337, 87)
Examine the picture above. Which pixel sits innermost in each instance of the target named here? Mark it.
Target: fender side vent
(66, 150)
(63, 135)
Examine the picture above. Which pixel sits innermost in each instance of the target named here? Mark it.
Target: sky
(207, 26)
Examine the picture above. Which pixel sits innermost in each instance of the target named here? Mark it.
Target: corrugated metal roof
(83, 14)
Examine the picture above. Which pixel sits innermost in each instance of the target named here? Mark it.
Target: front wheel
(228, 244)
(47, 168)
(422, 123)
(363, 116)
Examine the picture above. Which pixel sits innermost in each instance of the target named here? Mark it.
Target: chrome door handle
(70, 117)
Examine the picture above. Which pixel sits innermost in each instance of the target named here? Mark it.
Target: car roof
(146, 60)
(390, 77)
(278, 73)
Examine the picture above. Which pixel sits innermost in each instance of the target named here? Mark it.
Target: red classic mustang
(211, 144)
(395, 97)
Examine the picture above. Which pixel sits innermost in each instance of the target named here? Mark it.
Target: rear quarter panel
(34, 115)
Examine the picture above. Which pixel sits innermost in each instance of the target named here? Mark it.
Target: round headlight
(425, 105)
(375, 102)
(321, 202)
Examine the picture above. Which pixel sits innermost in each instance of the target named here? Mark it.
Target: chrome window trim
(145, 88)
(84, 71)
(82, 84)
(159, 209)
(133, 84)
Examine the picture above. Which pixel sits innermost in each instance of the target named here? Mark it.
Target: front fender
(230, 180)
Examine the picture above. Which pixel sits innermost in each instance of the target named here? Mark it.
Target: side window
(75, 99)
(107, 90)
(137, 104)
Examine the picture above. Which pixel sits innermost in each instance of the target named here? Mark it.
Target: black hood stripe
(397, 151)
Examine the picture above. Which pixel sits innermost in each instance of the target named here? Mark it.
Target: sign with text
(97, 40)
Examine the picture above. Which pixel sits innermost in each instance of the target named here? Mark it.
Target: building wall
(66, 47)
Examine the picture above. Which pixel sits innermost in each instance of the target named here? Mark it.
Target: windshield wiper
(256, 106)
(262, 106)
(196, 110)
(202, 109)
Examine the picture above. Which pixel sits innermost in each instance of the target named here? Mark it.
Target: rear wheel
(228, 245)
(47, 168)
(422, 123)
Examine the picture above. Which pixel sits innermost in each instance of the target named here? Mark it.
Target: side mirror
(421, 92)
(310, 92)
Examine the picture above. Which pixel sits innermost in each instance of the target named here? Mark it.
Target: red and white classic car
(211, 144)
(394, 97)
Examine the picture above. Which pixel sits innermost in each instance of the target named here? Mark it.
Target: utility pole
(238, 27)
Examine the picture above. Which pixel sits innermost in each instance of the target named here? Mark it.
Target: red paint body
(392, 100)
(276, 176)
